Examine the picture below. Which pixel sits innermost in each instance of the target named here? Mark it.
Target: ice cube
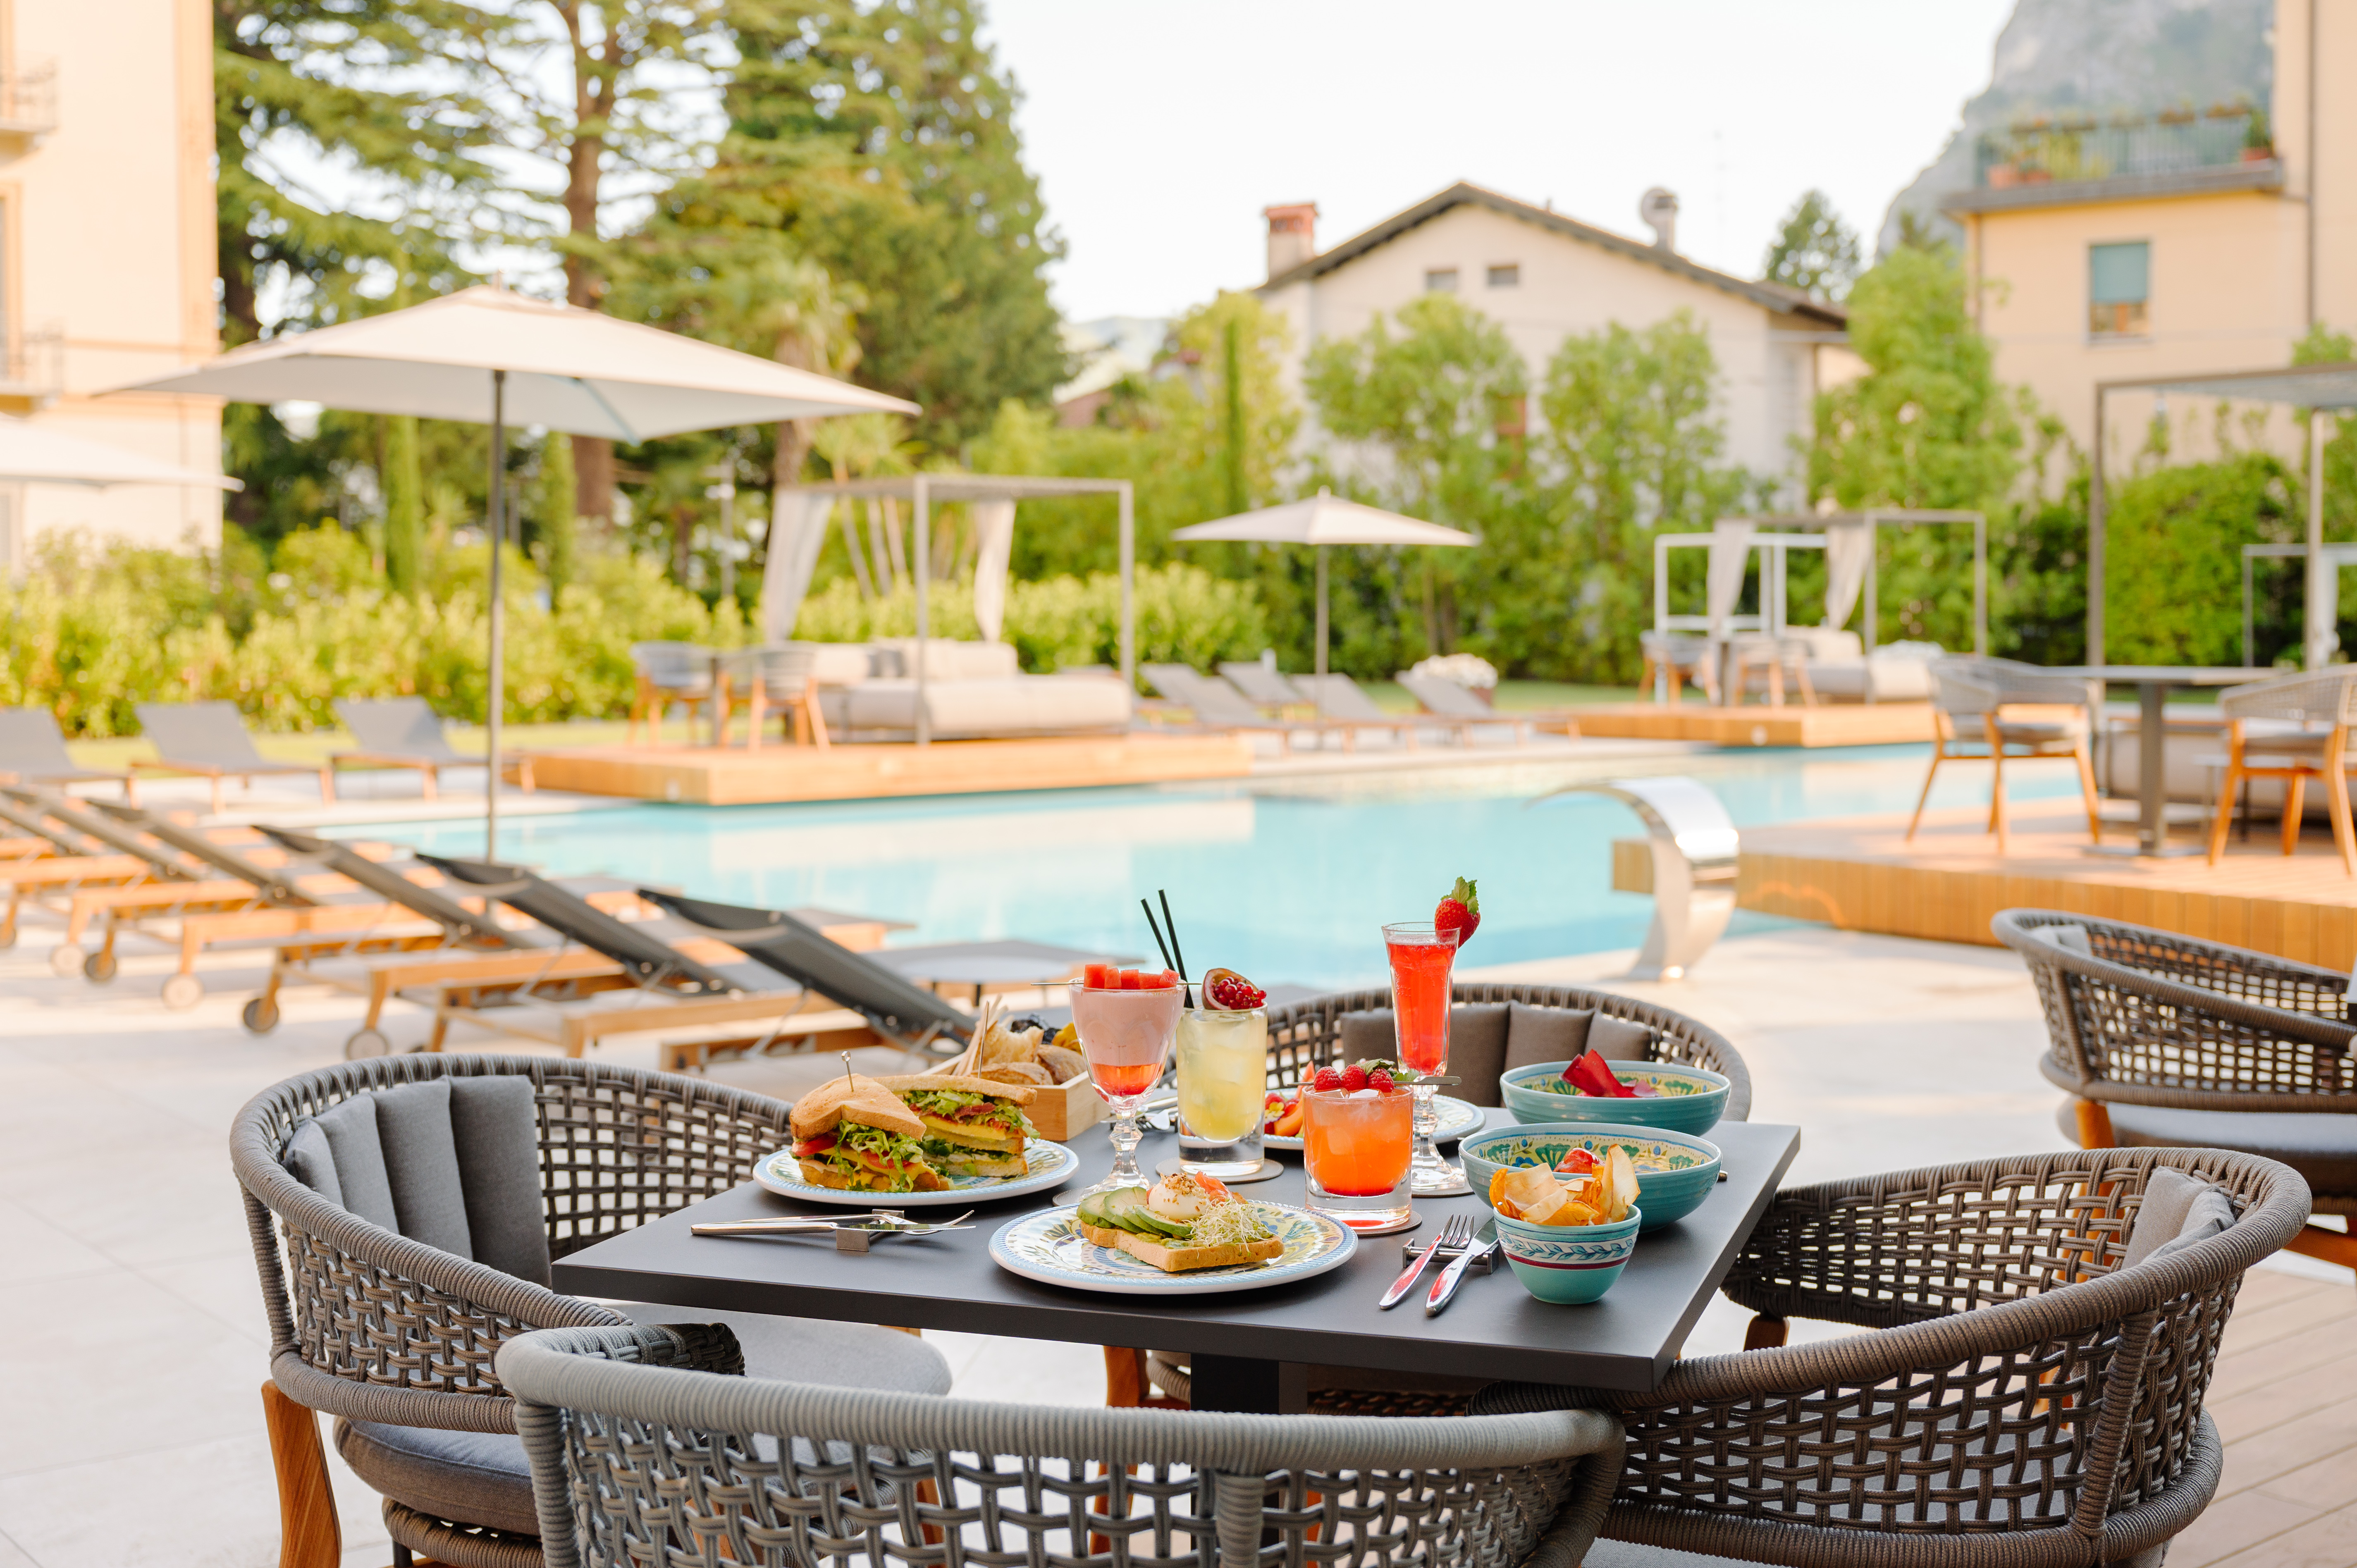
(1366, 1094)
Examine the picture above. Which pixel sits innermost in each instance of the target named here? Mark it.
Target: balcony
(2062, 160)
(33, 368)
(29, 106)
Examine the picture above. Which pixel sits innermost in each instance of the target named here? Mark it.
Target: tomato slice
(810, 1146)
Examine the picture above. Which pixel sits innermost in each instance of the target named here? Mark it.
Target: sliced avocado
(1090, 1210)
(1122, 1208)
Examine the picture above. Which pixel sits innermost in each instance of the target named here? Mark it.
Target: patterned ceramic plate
(1051, 1165)
(1457, 1118)
(1048, 1247)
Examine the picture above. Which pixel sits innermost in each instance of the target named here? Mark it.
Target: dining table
(2153, 683)
(1248, 1349)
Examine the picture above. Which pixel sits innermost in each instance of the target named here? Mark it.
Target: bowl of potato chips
(1675, 1171)
(1568, 1237)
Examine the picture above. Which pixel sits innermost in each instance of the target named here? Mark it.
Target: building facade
(2176, 241)
(1541, 277)
(108, 253)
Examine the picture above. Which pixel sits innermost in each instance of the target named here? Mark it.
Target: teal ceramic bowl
(1688, 1165)
(1691, 1099)
(1569, 1265)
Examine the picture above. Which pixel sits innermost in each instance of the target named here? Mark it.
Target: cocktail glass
(1356, 1146)
(1126, 1035)
(1422, 955)
(1223, 1089)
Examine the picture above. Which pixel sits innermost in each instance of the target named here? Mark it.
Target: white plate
(1457, 1118)
(1048, 1247)
(1051, 1165)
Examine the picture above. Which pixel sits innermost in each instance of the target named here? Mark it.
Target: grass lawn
(314, 745)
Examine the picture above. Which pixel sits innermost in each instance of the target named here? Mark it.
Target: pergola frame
(2331, 386)
(921, 490)
(1873, 517)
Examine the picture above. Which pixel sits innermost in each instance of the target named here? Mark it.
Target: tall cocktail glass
(1222, 1089)
(1422, 955)
(1126, 1035)
(1355, 1147)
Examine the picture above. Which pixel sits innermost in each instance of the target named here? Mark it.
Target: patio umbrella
(1321, 521)
(37, 455)
(493, 357)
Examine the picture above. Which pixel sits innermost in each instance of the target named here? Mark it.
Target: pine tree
(1814, 250)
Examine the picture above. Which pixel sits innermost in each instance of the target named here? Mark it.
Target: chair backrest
(211, 735)
(1337, 697)
(784, 667)
(31, 745)
(1259, 683)
(400, 726)
(674, 666)
(1303, 1035)
(650, 962)
(614, 1443)
(58, 808)
(462, 924)
(1212, 700)
(2313, 696)
(275, 885)
(1441, 696)
(38, 824)
(897, 1007)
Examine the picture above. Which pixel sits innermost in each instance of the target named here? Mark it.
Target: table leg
(1244, 1384)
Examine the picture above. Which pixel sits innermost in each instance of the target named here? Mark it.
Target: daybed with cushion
(2048, 1327)
(420, 1202)
(973, 691)
(1841, 671)
(2164, 1041)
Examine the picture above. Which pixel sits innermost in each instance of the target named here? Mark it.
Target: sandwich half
(855, 1135)
(974, 1126)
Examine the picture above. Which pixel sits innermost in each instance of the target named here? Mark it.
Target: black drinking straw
(1181, 965)
(1157, 933)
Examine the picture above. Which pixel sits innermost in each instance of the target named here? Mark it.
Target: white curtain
(1849, 551)
(1730, 554)
(797, 529)
(993, 532)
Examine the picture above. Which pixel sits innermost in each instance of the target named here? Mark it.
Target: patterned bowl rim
(1516, 1077)
(1618, 1231)
(1634, 1131)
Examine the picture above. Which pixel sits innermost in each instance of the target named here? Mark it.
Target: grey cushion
(1477, 1046)
(496, 1132)
(1536, 1035)
(468, 1477)
(2071, 938)
(313, 1164)
(1368, 1034)
(811, 1350)
(2211, 1213)
(1618, 1039)
(421, 1165)
(2160, 1213)
(351, 1135)
(2322, 1148)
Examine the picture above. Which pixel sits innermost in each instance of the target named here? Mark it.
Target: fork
(1455, 1232)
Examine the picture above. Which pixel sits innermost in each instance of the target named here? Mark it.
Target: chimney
(1292, 235)
(1659, 209)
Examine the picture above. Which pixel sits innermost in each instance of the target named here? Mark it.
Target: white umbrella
(37, 454)
(491, 356)
(1321, 521)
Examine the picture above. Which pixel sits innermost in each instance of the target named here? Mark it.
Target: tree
(1814, 250)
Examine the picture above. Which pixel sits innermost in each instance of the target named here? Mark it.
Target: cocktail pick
(1160, 944)
(1179, 958)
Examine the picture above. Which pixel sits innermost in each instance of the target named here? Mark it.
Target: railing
(2038, 152)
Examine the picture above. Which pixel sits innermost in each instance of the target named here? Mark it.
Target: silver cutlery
(1454, 1234)
(1443, 1288)
(852, 1232)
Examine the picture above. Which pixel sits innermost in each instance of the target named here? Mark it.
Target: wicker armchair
(396, 1334)
(637, 1465)
(668, 673)
(1969, 699)
(780, 677)
(2304, 723)
(2169, 1042)
(2028, 1401)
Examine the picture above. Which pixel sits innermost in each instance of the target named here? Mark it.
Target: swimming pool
(1286, 879)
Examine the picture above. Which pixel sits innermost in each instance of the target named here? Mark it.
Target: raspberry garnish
(1354, 1078)
(1327, 1081)
(1380, 1080)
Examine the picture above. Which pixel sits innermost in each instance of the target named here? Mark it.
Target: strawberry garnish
(1354, 1078)
(1327, 1081)
(1459, 911)
(1380, 1080)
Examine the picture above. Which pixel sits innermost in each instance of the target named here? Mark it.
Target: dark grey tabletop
(1493, 1328)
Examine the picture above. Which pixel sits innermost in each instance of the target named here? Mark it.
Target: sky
(1161, 128)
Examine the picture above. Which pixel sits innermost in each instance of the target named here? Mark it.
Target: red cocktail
(1422, 955)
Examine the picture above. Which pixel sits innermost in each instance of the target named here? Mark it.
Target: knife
(1485, 1242)
(1406, 1281)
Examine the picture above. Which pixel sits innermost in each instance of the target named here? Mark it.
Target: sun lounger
(1216, 705)
(668, 976)
(1341, 704)
(1446, 699)
(33, 751)
(210, 740)
(402, 732)
(1262, 684)
(75, 863)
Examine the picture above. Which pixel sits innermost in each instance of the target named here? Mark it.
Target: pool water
(1287, 880)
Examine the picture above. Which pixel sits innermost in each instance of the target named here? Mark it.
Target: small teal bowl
(1666, 1196)
(1691, 1099)
(1569, 1265)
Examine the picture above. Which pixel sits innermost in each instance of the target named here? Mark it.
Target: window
(1440, 280)
(2119, 285)
(1508, 277)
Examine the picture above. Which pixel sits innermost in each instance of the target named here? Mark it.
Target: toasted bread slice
(1179, 1260)
(818, 1173)
(959, 1083)
(855, 1098)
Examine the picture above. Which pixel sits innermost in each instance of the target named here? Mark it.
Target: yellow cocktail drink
(1223, 1057)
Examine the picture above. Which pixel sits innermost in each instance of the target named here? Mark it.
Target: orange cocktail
(1356, 1146)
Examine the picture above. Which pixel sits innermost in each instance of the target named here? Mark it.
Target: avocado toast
(1219, 1234)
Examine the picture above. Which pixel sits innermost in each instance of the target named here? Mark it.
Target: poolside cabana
(2333, 386)
(1851, 541)
(798, 531)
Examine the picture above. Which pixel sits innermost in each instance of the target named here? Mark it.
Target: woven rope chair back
(674, 666)
(1304, 1035)
(1964, 685)
(637, 1463)
(373, 1325)
(2319, 696)
(784, 667)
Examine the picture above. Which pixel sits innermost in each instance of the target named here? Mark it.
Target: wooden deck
(1860, 875)
(1756, 723)
(732, 776)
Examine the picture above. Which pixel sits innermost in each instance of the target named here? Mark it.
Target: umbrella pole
(920, 558)
(1320, 706)
(497, 517)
